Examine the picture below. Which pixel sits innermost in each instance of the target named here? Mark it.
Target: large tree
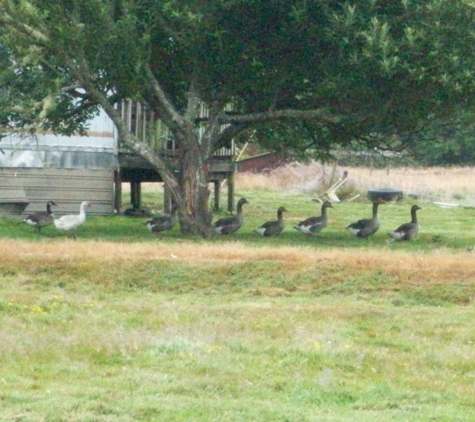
(301, 74)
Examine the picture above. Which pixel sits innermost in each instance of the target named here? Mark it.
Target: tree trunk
(189, 189)
(195, 215)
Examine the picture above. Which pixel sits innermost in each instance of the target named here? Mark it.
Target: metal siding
(96, 151)
(67, 187)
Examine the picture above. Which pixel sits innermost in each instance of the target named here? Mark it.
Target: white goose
(72, 222)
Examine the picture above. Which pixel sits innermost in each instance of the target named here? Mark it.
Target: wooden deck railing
(148, 128)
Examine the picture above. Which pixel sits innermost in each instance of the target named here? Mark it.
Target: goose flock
(311, 226)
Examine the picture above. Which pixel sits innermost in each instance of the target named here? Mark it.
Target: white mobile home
(64, 169)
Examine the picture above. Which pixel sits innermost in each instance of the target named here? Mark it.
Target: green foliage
(376, 66)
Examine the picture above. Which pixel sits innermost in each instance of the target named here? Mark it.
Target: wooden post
(217, 194)
(135, 194)
(117, 191)
(231, 191)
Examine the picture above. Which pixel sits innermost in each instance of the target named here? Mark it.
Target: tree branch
(175, 122)
(321, 115)
(193, 102)
(22, 27)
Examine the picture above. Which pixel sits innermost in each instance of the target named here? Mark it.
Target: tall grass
(435, 183)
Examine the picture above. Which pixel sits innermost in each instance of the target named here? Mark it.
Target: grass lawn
(121, 325)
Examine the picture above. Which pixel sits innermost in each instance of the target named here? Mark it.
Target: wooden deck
(134, 169)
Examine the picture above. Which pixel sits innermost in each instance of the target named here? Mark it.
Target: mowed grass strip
(100, 331)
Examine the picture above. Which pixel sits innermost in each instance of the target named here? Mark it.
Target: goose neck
(82, 208)
(375, 210)
(324, 211)
(414, 216)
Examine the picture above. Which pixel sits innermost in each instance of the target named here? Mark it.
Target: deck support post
(231, 191)
(217, 194)
(136, 194)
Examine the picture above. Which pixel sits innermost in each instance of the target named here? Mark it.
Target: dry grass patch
(434, 183)
(439, 266)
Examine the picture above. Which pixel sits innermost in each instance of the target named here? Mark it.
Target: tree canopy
(300, 74)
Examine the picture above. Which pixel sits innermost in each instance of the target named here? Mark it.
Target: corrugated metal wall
(67, 187)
